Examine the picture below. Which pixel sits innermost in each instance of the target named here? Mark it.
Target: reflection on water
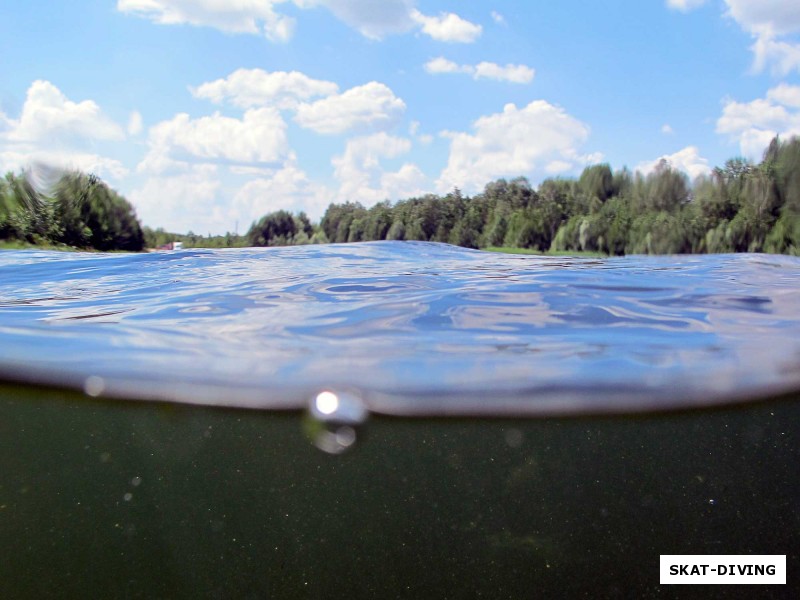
(416, 327)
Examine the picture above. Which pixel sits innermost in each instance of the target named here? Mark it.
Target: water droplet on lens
(94, 386)
(334, 418)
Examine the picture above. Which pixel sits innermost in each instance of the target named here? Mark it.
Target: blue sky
(207, 114)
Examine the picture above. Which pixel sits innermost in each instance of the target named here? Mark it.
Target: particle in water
(128, 497)
(136, 481)
(711, 501)
(513, 438)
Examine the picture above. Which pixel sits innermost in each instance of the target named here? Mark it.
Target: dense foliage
(740, 207)
(79, 211)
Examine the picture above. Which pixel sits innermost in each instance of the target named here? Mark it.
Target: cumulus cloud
(246, 88)
(448, 27)
(788, 95)
(539, 138)
(287, 188)
(773, 24)
(443, 65)
(666, 129)
(362, 178)
(259, 137)
(58, 132)
(231, 16)
(687, 160)
(48, 115)
(766, 17)
(753, 124)
(685, 5)
(510, 73)
(483, 70)
(783, 56)
(374, 20)
(183, 202)
(367, 107)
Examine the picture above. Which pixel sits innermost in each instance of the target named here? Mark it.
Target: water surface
(412, 328)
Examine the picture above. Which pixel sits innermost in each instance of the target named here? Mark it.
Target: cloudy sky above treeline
(207, 114)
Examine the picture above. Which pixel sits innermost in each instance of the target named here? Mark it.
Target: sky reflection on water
(417, 328)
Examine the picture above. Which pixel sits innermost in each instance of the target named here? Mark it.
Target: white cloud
(483, 70)
(556, 167)
(370, 106)
(230, 16)
(287, 188)
(783, 56)
(55, 131)
(666, 129)
(372, 19)
(48, 115)
(687, 160)
(361, 177)
(448, 27)
(407, 182)
(135, 123)
(259, 137)
(510, 73)
(443, 65)
(753, 124)
(246, 88)
(685, 5)
(766, 17)
(774, 25)
(104, 167)
(517, 141)
(183, 202)
(498, 18)
(788, 95)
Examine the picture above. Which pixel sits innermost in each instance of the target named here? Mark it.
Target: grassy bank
(20, 245)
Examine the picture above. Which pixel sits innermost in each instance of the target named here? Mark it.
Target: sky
(208, 114)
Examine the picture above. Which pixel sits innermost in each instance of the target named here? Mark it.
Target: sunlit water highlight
(410, 328)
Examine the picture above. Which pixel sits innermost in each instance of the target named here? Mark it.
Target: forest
(76, 211)
(739, 207)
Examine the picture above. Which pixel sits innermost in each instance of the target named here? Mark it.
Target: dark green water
(142, 500)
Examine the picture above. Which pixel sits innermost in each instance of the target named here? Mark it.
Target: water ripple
(418, 328)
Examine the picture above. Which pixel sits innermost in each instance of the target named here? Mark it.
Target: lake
(392, 420)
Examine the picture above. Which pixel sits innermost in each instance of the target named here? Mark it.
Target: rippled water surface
(413, 328)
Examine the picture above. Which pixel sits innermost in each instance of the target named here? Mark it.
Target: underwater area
(393, 419)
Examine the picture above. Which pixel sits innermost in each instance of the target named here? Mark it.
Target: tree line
(79, 211)
(739, 207)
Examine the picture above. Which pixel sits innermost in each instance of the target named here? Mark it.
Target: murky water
(410, 328)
